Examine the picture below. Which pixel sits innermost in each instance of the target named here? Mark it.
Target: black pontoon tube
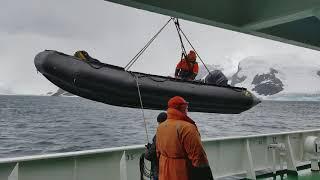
(112, 85)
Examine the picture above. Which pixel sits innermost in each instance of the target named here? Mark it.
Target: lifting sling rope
(135, 58)
(177, 25)
(184, 53)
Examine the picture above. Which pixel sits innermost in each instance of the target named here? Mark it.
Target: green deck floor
(306, 174)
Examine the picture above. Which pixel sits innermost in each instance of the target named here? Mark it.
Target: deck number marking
(130, 157)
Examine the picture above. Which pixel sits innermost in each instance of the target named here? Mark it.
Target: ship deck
(305, 174)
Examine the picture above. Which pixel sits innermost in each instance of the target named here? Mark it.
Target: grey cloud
(61, 19)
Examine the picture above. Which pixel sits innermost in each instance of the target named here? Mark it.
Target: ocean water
(32, 125)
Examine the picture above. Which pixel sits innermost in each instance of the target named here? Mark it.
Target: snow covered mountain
(60, 92)
(267, 76)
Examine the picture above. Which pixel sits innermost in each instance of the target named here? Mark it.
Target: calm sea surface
(37, 124)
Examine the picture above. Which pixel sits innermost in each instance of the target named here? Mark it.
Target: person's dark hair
(162, 117)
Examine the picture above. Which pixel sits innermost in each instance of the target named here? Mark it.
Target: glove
(148, 146)
(201, 173)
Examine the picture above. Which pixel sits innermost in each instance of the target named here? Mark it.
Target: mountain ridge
(267, 76)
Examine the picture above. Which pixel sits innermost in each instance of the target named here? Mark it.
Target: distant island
(60, 92)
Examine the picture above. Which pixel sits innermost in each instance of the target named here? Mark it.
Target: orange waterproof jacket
(178, 147)
(187, 66)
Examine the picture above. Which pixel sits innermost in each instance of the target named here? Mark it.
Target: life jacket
(188, 66)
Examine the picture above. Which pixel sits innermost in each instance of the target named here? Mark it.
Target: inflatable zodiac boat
(113, 85)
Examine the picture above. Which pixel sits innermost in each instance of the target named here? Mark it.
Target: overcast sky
(113, 34)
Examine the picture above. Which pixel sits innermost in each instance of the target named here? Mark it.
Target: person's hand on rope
(148, 146)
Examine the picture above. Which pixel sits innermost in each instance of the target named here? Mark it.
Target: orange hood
(177, 115)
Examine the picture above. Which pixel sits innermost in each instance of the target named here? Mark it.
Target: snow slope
(297, 76)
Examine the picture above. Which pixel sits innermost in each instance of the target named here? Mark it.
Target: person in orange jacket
(187, 69)
(179, 147)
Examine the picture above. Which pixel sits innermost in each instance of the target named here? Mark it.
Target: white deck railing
(242, 156)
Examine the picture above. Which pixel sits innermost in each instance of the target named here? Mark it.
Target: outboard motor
(217, 78)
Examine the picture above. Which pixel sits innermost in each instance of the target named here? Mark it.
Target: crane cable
(176, 22)
(177, 25)
(179, 30)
